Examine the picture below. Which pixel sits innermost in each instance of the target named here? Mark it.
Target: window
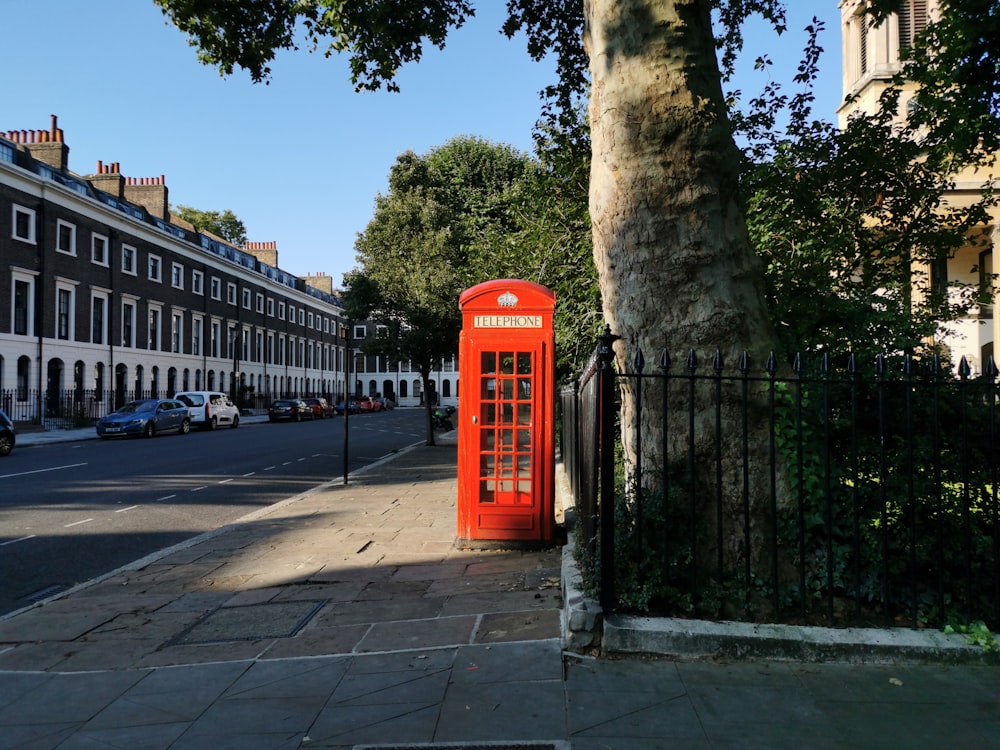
(231, 293)
(64, 313)
(65, 237)
(198, 282)
(24, 224)
(154, 328)
(258, 355)
(216, 337)
(216, 288)
(98, 317)
(359, 332)
(281, 311)
(128, 324)
(260, 303)
(302, 317)
(326, 325)
(270, 307)
(245, 341)
(155, 268)
(99, 249)
(246, 299)
(177, 276)
(912, 20)
(291, 313)
(231, 342)
(281, 350)
(197, 326)
(310, 318)
(128, 260)
(24, 305)
(176, 332)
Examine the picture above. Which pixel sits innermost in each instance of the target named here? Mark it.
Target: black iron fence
(83, 407)
(858, 494)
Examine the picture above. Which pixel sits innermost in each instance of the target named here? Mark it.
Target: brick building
(104, 296)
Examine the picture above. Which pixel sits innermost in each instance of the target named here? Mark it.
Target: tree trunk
(670, 242)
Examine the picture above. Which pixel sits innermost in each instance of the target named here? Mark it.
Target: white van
(210, 409)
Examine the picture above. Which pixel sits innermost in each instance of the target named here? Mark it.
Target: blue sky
(301, 160)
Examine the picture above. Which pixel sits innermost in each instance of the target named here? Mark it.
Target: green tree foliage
(224, 224)
(467, 212)
(954, 62)
(849, 220)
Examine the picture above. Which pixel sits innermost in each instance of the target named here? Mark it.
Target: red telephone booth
(506, 451)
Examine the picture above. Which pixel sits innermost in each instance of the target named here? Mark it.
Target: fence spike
(717, 361)
(907, 368)
(665, 360)
(880, 365)
(852, 363)
(964, 370)
(640, 361)
(797, 363)
(991, 370)
(745, 362)
(824, 364)
(692, 360)
(772, 365)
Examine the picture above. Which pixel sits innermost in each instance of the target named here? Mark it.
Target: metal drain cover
(252, 622)
(535, 745)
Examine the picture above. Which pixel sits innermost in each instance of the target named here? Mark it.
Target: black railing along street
(83, 407)
(864, 494)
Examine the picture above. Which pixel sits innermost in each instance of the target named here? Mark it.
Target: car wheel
(149, 431)
(297, 417)
(271, 419)
(236, 422)
(185, 427)
(213, 423)
(6, 445)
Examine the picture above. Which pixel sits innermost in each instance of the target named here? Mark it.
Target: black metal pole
(347, 403)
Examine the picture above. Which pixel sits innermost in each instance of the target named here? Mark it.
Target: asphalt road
(72, 511)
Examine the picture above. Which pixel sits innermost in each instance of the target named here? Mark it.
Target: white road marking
(77, 523)
(122, 510)
(20, 539)
(166, 497)
(40, 471)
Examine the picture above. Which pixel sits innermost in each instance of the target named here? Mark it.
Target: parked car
(320, 407)
(292, 409)
(367, 404)
(7, 436)
(146, 418)
(209, 409)
(387, 403)
(339, 408)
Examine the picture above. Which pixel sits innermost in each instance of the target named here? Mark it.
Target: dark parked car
(320, 407)
(7, 437)
(145, 418)
(292, 409)
(387, 403)
(339, 408)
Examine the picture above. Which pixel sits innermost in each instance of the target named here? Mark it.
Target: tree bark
(670, 241)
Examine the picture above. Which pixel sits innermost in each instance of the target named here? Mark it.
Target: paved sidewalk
(346, 617)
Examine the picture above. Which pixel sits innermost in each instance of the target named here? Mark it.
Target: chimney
(265, 252)
(44, 145)
(321, 281)
(150, 193)
(108, 179)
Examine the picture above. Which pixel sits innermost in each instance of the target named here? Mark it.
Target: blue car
(145, 418)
